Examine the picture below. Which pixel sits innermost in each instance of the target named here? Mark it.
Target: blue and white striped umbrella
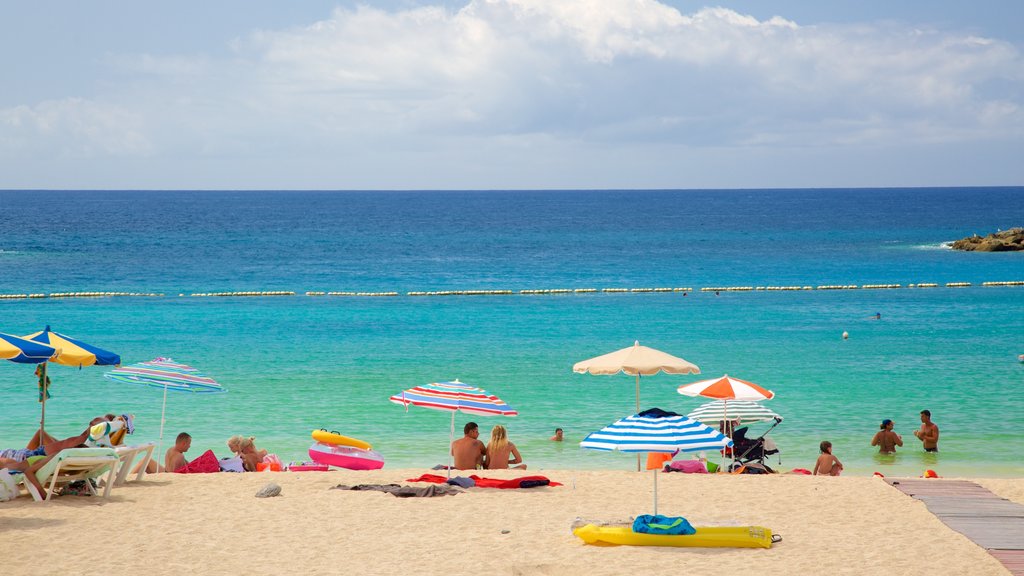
(649, 431)
(656, 430)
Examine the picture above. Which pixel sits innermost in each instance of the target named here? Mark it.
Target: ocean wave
(939, 246)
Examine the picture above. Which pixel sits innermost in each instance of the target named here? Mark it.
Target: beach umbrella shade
(69, 352)
(23, 351)
(743, 411)
(656, 430)
(727, 389)
(454, 396)
(166, 374)
(636, 360)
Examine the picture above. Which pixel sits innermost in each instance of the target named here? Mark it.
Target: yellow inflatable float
(325, 437)
(707, 537)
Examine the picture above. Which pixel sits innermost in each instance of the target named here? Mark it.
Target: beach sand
(213, 524)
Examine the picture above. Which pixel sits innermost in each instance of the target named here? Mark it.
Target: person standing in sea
(886, 439)
(928, 434)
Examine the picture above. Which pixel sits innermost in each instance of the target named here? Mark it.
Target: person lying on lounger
(29, 460)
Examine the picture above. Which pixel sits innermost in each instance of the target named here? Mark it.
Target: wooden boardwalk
(993, 523)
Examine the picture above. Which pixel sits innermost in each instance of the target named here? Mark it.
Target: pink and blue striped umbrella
(454, 397)
(166, 374)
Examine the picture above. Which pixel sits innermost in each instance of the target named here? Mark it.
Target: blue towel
(673, 525)
(462, 481)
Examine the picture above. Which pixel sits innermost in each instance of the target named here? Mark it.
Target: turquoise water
(297, 363)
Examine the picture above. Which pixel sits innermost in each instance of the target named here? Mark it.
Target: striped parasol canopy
(166, 373)
(74, 352)
(743, 411)
(23, 351)
(656, 430)
(454, 396)
(726, 388)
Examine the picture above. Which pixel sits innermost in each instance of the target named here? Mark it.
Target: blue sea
(296, 363)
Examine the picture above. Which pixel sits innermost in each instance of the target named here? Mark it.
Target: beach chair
(127, 455)
(74, 464)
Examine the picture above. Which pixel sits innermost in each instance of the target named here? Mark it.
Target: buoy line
(524, 292)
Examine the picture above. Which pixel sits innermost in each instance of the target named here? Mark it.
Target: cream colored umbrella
(636, 360)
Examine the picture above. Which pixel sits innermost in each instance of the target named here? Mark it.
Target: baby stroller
(749, 453)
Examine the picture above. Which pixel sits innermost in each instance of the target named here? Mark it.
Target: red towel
(529, 481)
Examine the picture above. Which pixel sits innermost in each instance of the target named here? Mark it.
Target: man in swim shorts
(468, 451)
(928, 433)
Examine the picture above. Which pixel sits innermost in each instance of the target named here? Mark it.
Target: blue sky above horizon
(510, 94)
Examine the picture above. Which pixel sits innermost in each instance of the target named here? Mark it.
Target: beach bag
(8, 486)
(232, 464)
(657, 524)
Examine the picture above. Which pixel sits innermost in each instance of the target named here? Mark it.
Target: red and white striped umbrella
(726, 388)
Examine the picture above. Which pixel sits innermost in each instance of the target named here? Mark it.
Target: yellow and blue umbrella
(75, 352)
(69, 352)
(24, 351)
(167, 374)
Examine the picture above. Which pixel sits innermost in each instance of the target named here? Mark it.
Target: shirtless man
(558, 437)
(886, 439)
(929, 432)
(175, 457)
(468, 450)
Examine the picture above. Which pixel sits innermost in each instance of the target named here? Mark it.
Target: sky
(510, 94)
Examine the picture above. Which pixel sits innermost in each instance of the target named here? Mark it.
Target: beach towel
(524, 482)
(657, 524)
(205, 463)
(462, 482)
(405, 491)
(688, 466)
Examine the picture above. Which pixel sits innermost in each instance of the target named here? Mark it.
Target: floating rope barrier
(525, 292)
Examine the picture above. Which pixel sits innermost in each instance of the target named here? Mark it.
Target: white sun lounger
(127, 456)
(74, 464)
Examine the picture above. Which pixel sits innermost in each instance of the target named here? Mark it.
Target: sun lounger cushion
(205, 463)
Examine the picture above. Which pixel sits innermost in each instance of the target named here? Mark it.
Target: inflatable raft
(707, 537)
(346, 456)
(325, 437)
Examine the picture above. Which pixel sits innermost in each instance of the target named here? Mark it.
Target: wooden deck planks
(993, 523)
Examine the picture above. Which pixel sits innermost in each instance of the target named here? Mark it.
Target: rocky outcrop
(1010, 240)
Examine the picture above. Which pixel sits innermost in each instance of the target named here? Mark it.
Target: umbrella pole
(42, 416)
(655, 471)
(451, 439)
(728, 432)
(160, 442)
(638, 453)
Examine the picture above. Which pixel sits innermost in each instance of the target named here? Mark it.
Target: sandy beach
(214, 524)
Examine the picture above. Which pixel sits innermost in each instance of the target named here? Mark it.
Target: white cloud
(372, 89)
(73, 127)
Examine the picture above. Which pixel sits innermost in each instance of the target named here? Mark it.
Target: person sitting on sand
(246, 449)
(827, 464)
(468, 451)
(558, 435)
(499, 449)
(886, 439)
(175, 457)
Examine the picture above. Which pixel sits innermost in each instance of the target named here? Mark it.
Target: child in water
(827, 464)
